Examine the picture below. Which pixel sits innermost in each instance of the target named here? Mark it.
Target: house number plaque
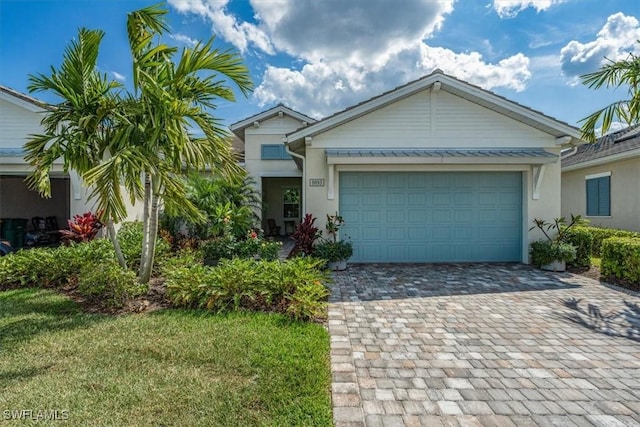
(316, 182)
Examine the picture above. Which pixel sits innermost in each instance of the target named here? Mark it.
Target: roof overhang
(531, 156)
(630, 154)
(21, 100)
(564, 133)
(279, 110)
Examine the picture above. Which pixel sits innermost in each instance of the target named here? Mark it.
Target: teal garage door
(433, 216)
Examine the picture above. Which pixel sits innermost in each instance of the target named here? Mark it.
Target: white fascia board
(273, 112)
(602, 160)
(21, 103)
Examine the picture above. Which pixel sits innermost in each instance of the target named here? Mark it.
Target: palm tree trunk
(150, 230)
(111, 231)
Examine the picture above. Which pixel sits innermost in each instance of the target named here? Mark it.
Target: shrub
(52, 267)
(600, 234)
(544, 252)
(294, 287)
(621, 258)
(582, 240)
(269, 251)
(82, 228)
(305, 234)
(110, 283)
(130, 238)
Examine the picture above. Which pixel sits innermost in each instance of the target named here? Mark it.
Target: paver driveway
(482, 345)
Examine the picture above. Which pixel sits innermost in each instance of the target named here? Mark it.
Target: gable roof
(441, 81)
(239, 127)
(614, 146)
(20, 99)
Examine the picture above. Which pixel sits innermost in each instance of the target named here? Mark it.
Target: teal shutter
(599, 196)
(274, 152)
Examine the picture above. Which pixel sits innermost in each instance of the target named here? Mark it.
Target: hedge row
(621, 259)
(601, 234)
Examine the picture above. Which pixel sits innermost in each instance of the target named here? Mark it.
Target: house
(437, 170)
(601, 181)
(20, 116)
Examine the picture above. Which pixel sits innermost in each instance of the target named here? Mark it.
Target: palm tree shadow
(624, 323)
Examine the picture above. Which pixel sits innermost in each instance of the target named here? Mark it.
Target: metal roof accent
(440, 152)
(11, 152)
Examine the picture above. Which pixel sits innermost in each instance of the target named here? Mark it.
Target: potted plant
(335, 252)
(553, 252)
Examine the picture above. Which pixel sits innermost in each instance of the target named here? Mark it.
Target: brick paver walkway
(482, 345)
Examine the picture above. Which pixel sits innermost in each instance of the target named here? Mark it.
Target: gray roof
(439, 152)
(614, 143)
(23, 97)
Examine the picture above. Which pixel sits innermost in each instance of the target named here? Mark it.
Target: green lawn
(166, 368)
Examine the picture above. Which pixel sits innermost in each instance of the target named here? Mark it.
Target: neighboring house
(20, 116)
(437, 170)
(601, 181)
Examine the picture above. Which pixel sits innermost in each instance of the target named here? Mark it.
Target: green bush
(582, 240)
(545, 252)
(130, 238)
(621, 258)
(294, 287)
(52, 267)
(113, 285)
(269, 251)
(600, 234)
(333, 251)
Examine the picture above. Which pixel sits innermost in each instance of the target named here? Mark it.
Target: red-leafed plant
(305, 234)
(82, 228)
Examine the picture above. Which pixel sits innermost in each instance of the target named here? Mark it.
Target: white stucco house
(20, 116)
(601, 181)
(437, 170)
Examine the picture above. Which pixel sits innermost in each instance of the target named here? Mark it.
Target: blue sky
(321, 56)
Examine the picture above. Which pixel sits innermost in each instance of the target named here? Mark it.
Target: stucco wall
(625, 194)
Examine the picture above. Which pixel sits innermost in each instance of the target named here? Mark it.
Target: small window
(599, 195)
(274, 152)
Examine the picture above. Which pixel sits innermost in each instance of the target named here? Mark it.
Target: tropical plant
(305, 235)
(143, 140)
(334, 223)
(82, 228)
(556, 231)
(544, 252)
(333, 251)
(621, 73)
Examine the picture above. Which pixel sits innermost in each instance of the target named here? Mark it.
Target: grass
(166, 368)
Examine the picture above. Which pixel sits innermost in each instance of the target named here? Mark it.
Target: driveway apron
(482, 345)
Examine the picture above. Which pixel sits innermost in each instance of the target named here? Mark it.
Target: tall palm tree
(146, 140)
(625, 72)
(78, 127)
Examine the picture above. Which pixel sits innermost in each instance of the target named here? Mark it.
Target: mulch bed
(593, 272)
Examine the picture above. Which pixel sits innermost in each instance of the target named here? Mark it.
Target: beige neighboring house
(601, 181)
(437, 170)
(20, 116)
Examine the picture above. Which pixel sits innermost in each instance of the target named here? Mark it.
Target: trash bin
(13, 230)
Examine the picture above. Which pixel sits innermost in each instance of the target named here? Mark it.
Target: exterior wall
(16, 124)
(449, 122)
(625, 194)
(433, 120)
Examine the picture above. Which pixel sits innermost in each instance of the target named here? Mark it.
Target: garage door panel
(432, 217)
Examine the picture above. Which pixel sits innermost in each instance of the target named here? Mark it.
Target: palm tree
(146, 141)
(625, 72)
(78, 127)
(171, 97)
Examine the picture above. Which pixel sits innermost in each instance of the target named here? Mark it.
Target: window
(291, 203)
(274, 152)
(599, 194)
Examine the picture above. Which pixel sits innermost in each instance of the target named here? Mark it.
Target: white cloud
(118, 76)
(324, 87)
(511, 8)
(614, 41)
(182, 38)
(240, 34)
